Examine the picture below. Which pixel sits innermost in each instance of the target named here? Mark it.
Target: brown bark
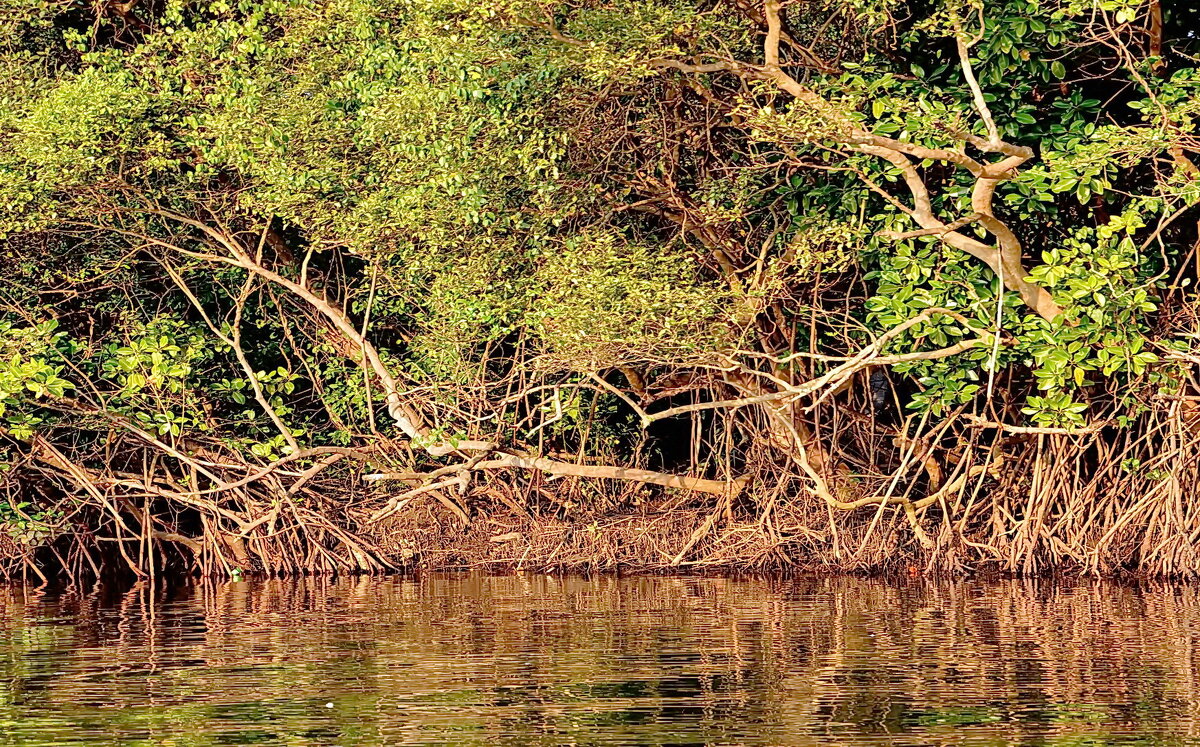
(1005, 257)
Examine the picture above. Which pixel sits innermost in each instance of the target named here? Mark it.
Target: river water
(533, 660)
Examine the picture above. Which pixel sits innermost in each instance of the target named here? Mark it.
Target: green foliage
(524, 181)
(30, 373)
(1105, 273)
(604, 302)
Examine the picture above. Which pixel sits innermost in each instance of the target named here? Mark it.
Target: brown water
(536, 660)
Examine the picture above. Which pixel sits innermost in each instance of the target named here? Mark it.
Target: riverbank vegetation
(300, 285)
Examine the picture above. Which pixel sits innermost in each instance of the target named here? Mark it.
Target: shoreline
(686, 541)
(652, 540)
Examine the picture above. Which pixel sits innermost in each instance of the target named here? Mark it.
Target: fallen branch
(698, 484)
(555, 467)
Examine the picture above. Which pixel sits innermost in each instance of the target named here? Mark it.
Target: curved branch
(406, 418)
(1005, 259)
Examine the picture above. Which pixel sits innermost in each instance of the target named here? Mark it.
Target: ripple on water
(533, 660)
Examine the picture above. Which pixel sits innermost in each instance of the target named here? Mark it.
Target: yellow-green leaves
(602, 301)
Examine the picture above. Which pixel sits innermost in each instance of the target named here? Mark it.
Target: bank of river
(475, 659)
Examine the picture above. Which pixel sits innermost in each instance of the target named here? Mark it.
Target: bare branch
(981, 106)
(978, 422)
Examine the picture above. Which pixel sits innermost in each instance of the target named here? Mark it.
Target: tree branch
(981, 106)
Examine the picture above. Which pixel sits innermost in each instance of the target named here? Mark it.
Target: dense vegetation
(301, 284)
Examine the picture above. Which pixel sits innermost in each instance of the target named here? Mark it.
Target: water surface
(472, 659)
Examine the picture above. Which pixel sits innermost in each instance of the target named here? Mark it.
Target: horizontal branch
(978, 422)
(569, 469)
(867, 357)
(551, 466)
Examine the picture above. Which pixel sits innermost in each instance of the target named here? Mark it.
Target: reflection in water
(539, 660)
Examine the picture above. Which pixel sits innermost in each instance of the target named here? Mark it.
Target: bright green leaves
(1098, 272)
(31, 377)
(1117, 354)
(483, 298)
(1066, 358)
(1098, 276)
(278, 385)
(1062, 364)
(154, 362)
(31, 372)
(153, 376)
(365, 124)
(1056, 411)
